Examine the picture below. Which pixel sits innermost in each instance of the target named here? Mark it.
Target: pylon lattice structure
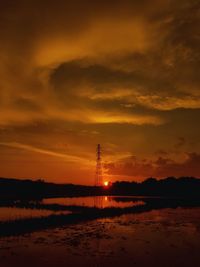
(98, 174)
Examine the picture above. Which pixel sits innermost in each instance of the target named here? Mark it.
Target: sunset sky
(123, 73)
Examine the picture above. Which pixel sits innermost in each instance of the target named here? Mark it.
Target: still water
(19, 213)
(14, 213)
(98, 201)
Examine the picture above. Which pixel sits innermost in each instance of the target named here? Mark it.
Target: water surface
(14, 213)
(166, 237)
(97, 201)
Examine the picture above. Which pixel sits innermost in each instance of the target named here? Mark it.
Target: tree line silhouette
(169, 187)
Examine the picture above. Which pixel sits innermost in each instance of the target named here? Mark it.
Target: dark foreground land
(161, 237)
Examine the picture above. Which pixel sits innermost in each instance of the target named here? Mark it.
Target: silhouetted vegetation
(28, 189)
(168, 187)
(13, 189)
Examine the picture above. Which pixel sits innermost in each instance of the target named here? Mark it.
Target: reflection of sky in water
(100, 202)
(9, 214)
(14, 213)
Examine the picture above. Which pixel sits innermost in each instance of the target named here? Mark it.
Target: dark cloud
(129, 167)
(160, 168)
(181, 142)
(27, 105)
(167, 167)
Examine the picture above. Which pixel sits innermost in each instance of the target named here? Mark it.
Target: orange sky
(121, 73)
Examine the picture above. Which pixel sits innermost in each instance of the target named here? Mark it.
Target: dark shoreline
(183, 187)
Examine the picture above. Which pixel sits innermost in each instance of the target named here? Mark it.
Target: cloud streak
(66, 157)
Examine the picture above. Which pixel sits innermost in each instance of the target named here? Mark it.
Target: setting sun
(106, 183)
